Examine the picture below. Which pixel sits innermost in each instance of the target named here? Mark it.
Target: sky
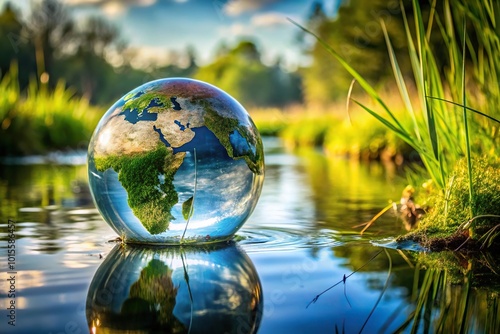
(156, 27)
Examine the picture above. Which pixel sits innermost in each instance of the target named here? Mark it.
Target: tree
(356, 34)
(52, 28)
(14, 44)
(240, 72)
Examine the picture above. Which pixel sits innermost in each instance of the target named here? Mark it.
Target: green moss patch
(141, 102)
(150, 200)
(449, 224)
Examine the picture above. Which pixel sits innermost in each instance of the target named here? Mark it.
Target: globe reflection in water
(172, 290)
(176, 160)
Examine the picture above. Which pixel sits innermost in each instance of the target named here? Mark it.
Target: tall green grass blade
(431, 19)
(403, 135)
(467, 139)
(466, 107)
(364, 84)
(424, 59)
(403, 91)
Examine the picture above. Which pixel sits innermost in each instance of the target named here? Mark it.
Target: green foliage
(435, 131)
(363, 137)
(307, 130)
(187, 212)
(41, 119)
(269, 121)
(49, 41)
(433, 127)
(451, 208)
(241, 73)
(13, 44)
(150, 200)
(357, 36)
(222, 127)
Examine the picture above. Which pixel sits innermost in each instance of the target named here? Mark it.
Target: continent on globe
(148, 133)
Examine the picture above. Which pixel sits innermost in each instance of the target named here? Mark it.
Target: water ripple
(272, 239)
(403, 245)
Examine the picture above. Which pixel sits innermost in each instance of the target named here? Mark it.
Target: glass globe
(176, 161)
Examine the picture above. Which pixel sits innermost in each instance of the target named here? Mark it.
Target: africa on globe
(176, 161)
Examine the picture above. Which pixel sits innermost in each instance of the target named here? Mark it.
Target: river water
(297, 266)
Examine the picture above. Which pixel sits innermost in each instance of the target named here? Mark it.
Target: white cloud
(114, 9)
(81, 2)
(143, 3)
(237, 7)
(269, 19)
(236, 29)
(111, 8)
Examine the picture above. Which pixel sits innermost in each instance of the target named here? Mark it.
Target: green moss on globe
(150, 200)
(222, 127)
(186, 208)
(141, 102)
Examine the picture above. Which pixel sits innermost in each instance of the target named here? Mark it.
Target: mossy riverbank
(454, 221)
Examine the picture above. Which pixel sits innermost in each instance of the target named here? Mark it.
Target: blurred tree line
(240, 72)
(92, 58)
(51, 46)
(354, 30)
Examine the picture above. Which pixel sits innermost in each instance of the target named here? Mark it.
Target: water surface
(300, 241)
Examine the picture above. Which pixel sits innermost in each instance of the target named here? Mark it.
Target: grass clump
(448, 223)
(40, 120)
(270, 121)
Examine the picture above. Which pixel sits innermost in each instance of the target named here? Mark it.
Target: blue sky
(155, 28)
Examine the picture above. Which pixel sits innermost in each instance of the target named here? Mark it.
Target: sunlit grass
(42, 119)
(442, 132)
(339, 134)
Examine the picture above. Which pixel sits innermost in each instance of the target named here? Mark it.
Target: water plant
(452, 289)
(439, 125)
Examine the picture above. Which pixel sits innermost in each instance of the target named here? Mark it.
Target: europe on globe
(176, 160)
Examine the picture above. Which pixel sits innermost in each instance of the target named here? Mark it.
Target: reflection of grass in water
(39, 186)
(346, 193)
(449, 293)
(452, 294)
